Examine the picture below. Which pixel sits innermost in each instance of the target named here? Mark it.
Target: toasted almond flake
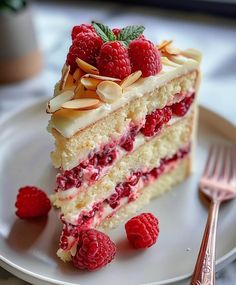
(167, 48)
(90, 83)
(65, 73)
(86, 67)
(129, 80)
(163, 44)
(82, 92)
(109, 91)
(82, 104)
(101, 77)
(69, 84)
(90, 94)
(170, 49)
(79, 91)
(78, 74)
(56, 102)
(63, 69)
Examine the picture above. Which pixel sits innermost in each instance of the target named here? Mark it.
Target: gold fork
(218, 183)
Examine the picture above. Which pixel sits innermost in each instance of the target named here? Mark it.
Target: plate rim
(30, 276)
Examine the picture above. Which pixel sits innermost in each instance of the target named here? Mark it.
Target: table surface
(215, 37)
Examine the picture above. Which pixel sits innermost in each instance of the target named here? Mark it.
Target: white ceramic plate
(27, 249)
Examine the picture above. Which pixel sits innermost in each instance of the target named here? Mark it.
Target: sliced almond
(69, 84)
(63, 68)
(78, 74)
(167, 48)
(55, 103)
(79, 91)
(109, 91)
(90, 94)
(86, 67)
(90, 83)
(129, 80)
(170, 49)
(102, 78)
(82, 104)
(65, 73)
(163, 44)
(82, 92)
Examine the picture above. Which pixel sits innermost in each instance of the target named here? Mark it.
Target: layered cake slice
(123, 119)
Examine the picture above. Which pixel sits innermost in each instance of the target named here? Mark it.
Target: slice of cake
(123, 119)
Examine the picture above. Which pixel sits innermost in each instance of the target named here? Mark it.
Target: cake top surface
(105, 69)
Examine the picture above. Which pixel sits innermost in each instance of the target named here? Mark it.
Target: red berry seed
(142, 231)
(94, 250)
(32, 202)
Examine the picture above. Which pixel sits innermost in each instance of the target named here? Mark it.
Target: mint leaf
(130, 33)
(104, 32)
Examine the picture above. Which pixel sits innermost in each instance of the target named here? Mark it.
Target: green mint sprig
(104, 32)
(126, 35)
(130, 33)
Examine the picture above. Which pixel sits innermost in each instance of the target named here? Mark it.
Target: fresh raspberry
(142, 231)
(181, 108)
(81, 28)
(86, 46)
(145, 57)
(94, 250)
(113, 60)
(32, 202)
(116, 31)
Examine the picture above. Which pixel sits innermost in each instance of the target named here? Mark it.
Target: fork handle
(204, 272)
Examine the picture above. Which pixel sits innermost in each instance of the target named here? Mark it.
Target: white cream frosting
(69, 122)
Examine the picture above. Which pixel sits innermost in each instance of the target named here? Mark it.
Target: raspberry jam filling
(88, 169)
(127, 189)
(91, 169)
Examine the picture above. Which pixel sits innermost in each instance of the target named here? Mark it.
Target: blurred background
(35, 38)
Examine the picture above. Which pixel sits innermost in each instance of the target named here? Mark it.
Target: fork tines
(221, 163)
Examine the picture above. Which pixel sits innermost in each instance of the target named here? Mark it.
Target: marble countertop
(215, 37)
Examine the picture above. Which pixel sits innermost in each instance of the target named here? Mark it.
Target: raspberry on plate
(86, 46)
(81, 28)
(32, 202)
(113, 60)
(144, 56)
(142, 231)
(94, 250)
